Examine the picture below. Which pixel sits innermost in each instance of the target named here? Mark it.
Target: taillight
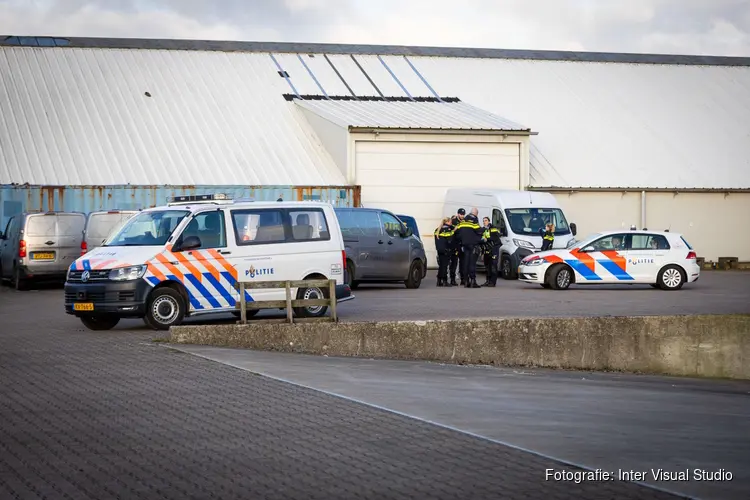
(84, 247)
(691, 256)
(22, 249)
(343, 259)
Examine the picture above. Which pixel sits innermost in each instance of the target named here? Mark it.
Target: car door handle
(380, 242)
(390, 243)
(224, 252)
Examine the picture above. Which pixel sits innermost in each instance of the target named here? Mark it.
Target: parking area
(717, 292)
(100, 415)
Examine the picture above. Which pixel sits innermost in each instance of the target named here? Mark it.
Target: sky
(701, 27)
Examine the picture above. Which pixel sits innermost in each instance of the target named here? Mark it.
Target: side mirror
(504, 232)
(407, 232)
(2, 236)
(190, 243)
(573, 228)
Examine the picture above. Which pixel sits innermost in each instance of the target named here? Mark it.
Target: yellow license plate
(83, 306)
(42, 256)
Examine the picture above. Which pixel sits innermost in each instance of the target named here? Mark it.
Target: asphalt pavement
(100, 415)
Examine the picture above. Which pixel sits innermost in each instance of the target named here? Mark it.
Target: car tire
(560, 277)
(311, 293)
(165, 308)
(99, 323)
(671, 278)
(18, 282)
(350, 276)
(506, 269)
(415, 276)
(546, 286)
(654, 285)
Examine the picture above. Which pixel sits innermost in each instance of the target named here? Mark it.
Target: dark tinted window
(610, 242)
(498, 221)
(359, 222)
(411, 223)
(391, 225)
(258, 226)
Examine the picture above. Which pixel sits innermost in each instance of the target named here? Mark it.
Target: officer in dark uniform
(469, 234)
(444, 247)
(457, 253)
(548, 237)
(491, 251)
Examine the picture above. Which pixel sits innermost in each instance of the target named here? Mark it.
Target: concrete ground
(717, 292)
(599, 421)
(111, 415)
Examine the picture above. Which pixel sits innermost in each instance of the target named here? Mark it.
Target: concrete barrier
(699, 345)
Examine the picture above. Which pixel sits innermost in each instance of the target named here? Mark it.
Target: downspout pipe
(643, 209)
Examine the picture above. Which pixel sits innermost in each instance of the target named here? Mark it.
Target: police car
(659, 258)
(184, 259)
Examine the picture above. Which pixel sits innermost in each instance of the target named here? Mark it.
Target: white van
(99, 225)
(184, 259)
(519, 215)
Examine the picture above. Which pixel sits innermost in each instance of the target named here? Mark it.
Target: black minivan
(380, 248)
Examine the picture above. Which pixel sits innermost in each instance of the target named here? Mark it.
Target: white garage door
(412, 177)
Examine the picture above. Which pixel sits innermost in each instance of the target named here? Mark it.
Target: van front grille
(94, 275)
(90, 297)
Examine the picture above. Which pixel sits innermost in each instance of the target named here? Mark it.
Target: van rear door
(53, 240)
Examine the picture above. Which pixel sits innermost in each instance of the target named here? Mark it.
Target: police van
(184, 259)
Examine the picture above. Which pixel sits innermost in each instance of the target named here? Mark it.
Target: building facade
(653, 141)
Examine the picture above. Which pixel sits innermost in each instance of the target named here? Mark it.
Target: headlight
(127, 273)
(524, 244)
(534, 261)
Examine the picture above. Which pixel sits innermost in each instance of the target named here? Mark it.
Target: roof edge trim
(396, 50)
(445, 131)
(676, 190)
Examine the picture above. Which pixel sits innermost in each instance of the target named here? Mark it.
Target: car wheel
(671, 278)
(20, 283)
(312, 293)
(506, 269)
(99, 323)
(560, 278)
(546, 286)
(415, 275)
(350, 276)
(166, 308)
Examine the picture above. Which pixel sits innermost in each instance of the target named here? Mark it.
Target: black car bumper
(125, 299)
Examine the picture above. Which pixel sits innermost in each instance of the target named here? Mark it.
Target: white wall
(713, 223)
(333, 137)
(410, 173)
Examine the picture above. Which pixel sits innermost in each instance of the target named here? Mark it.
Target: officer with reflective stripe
(457, 253)
(491, 251)
(469, 234)
(548, 237)
(444, 247)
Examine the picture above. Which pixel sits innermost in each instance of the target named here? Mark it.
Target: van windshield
(147, 229)
(530, 221)
(100, 225)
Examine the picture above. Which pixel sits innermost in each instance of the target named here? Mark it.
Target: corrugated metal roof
(71, 116)
(408, 115)
(79, 116)
(393, 50)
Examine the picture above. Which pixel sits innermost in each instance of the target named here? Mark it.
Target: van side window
(209, 227)
(309, 225)
(498, 221)
(7, 231)
(367, 222)
(258, 227)
(391, 225)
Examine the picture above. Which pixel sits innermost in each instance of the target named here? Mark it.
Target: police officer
(548, 237)
(491, 248)
(457, 253)
(469, 234)
(444, 247)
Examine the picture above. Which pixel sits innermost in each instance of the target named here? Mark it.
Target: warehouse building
(620, 139)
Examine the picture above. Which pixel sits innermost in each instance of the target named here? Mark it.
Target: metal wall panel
(16, 199)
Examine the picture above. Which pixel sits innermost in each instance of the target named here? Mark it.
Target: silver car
(40, 245)
(99, 225)
(380, 248)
